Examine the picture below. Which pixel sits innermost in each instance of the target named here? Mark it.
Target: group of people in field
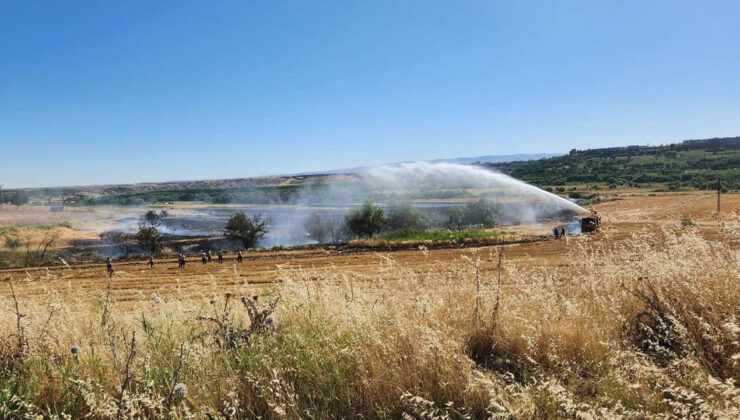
(558, 232)
(205, 257)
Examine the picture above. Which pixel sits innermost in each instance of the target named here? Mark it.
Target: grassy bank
(404, 239)
(646, 328)
(439, 235)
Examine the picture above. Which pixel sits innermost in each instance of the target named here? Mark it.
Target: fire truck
(591, 223)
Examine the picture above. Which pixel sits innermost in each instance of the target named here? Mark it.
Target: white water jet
(531, 203)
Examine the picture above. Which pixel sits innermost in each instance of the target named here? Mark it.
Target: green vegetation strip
(439, 235)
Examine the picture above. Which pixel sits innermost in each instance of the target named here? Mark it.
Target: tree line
(14, 197)
(371, 219)
(364, 221)
(693, 164)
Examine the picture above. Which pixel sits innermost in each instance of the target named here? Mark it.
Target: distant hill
(258, 190)
(498, 158)
(691, 163)
(461, 160)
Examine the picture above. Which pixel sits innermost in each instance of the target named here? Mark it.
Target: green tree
(247, 230)
(366, 220)
(149, 238)
(405, 216)
(482, 212)
(455, 218)
(17, 197)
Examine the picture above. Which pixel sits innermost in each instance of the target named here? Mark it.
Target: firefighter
(180, 260)
(210, 259)
(109, 266)
(562, 232)
(220, 256)
(239, 257)
(151, 261)
(203, 258)
(556, 232)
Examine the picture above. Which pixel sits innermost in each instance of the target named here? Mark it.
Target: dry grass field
(641, 320)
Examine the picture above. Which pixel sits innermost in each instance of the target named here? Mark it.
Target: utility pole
(719, 191)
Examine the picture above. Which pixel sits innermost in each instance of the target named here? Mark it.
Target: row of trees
(240, 228)
(17, 198)
(697, 164)
(363, 222)
(247, 195)
(371, 219)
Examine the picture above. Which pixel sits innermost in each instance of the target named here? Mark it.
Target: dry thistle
(180, 390)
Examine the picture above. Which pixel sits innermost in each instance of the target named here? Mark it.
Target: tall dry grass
(642, 328)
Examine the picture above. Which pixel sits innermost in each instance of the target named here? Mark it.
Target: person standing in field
(220, 256)
(239, 257)
(210, 259)
(109, 266)
(151, 261)
(203, 258)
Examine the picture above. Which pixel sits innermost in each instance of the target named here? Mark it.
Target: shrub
(316, 228)
(12, 242)
(336, 228)
(123, 241)
(330, 228)
(151, 218)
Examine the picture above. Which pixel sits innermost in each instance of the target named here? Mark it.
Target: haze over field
(433, 188)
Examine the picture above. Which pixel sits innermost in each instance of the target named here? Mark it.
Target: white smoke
(433, 187)
(441, 184)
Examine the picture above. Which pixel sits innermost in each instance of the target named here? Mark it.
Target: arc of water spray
(418, 175)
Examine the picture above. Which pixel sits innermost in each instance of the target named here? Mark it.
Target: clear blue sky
(129, 91)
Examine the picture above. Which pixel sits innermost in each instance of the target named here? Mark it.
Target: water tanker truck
(591, 223)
